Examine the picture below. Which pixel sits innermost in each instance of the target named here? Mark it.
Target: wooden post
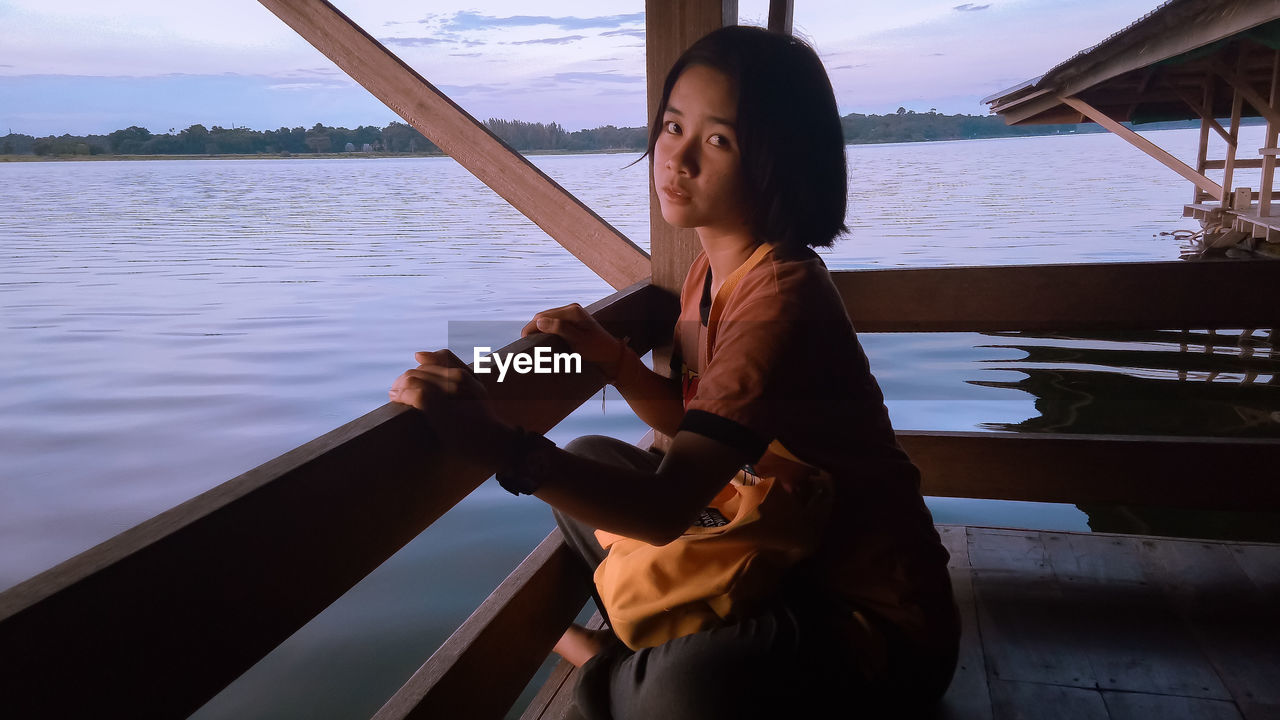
(1206, 119)
(1228, 172)
(671, 26)
(1273, 135)
(1143, 144)
(780, 12)
(592, 240)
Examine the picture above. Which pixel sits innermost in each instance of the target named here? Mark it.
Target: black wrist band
(522, 474)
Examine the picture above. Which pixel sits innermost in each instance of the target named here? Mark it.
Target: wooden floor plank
(1037, 701)
(1092, 625)
(1257, 711)
(554, 704)
(542, 702)
(1141, 706)
(1262, 564)
(968, 697)
(1239, 632)
(1028, 627)
(1133, 639)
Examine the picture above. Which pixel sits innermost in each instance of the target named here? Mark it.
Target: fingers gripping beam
(595, 242)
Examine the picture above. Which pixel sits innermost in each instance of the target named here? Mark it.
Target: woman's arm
(654, 507)
(655, 399)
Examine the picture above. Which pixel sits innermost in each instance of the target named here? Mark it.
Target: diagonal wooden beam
(1144, 145)
(595, 242)
(1242, 86)
(1198, 109)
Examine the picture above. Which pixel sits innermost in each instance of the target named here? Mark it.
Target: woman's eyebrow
(713, 118)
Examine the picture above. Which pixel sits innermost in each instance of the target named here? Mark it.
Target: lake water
(169, 325)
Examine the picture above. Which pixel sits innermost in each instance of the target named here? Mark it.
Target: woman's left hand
(455, 402)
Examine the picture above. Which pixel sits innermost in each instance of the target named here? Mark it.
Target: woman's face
(697, 167)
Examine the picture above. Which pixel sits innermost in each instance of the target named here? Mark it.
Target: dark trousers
(804, 657)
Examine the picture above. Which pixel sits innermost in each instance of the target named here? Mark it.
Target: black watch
(526, 464)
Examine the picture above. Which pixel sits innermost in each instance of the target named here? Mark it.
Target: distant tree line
(400, 139)
(911, 126)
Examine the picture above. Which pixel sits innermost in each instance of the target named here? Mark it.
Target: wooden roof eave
(1176, 27)
(599, 245)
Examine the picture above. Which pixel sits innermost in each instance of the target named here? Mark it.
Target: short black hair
(788, 128)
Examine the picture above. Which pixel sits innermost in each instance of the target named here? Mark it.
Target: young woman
(747, 149)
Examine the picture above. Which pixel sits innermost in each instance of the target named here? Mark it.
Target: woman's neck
(725, 252)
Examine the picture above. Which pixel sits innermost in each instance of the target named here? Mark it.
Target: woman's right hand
(584, 335)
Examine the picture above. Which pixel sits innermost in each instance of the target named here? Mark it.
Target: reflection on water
(1219, 383)
(165, 326)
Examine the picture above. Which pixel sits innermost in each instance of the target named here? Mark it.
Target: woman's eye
(673, 127)
(719, 141)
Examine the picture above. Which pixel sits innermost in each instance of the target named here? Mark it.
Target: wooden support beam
(1272, 139)
(780, 14)
(1243, 87)
(1139, 94)
(1205, 473)
(671, 26)
(1206, 119)
(160, 618)
(595, 242)
(1229, 166)
(1205, 116)
(479, 672)
(1085, 297)
(1144, 145)
(1240, 164)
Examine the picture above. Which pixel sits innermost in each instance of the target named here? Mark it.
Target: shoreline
(382, 155)
(290, 156)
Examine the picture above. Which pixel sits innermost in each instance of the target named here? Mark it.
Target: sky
(85, 66)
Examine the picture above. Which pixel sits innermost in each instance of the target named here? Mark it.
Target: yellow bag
(716, 573)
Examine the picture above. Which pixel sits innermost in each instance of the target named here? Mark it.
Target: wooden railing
(158, 619)
(165, 615)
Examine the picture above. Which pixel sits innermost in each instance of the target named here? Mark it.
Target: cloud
(587, 77)
(306, 86)
(413, 41)
(550, 41)
(970, 7)
(627, 33)
(469, 20)
(316, 71)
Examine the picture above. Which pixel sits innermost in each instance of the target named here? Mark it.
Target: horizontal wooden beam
(1117, 296)
(1187, 472)
(1242, 164)
(158, 619)
(1159, 154)
(595, 242)
(479, 672)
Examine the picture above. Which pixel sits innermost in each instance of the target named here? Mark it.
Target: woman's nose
(684, 157)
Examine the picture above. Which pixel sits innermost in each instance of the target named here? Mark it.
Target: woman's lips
(674, 195)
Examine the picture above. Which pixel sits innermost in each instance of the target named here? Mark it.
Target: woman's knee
(613, 451)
